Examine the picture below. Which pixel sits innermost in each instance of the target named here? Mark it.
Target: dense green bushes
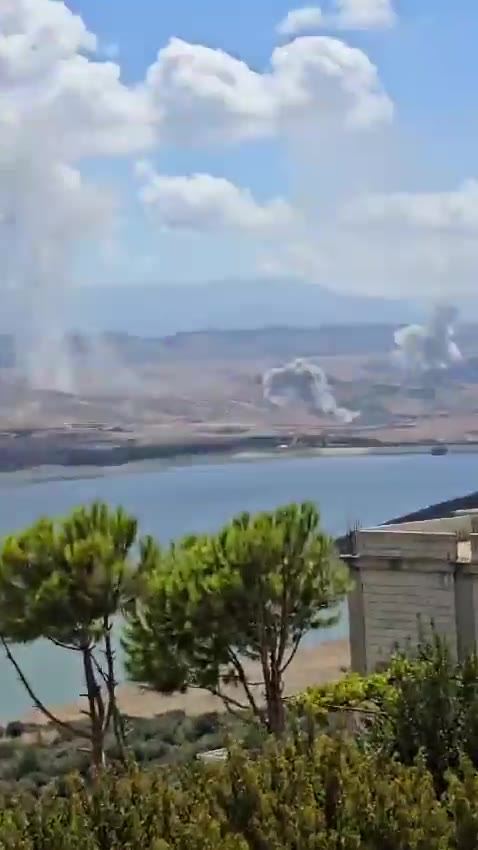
(401, 776)
(425, 703)
(328, 796)
(405, 780)
(353, 691)
(166, 740)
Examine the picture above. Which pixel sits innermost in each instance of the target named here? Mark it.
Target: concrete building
(409, 575)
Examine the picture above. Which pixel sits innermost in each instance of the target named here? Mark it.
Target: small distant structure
(439, 450)
(213, 756)
(407, 576)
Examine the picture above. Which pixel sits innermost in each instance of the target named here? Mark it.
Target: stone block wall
(404, 580)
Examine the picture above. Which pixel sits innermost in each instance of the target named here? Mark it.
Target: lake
(172, 501)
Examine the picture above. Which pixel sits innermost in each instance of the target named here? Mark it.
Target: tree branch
(353, 709)
(37, 702)
(284, 620)
(62, 645)
(243, 680)
(292, 655)
(99, 668)
(232, 705)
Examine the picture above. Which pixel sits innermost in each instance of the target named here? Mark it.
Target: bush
(15, 729)
(206, 724)
(433, 709)
(330, 796)
(168, 726)
(151, 750)
(353, 691)
(425, 702)
(28, 762)
(7, 750)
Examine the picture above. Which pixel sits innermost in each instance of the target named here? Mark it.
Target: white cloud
(407, 243)
(301, 20)
(57, 108)
(364, 14)
(323, 82)
(201, 203)
(60, 108)
(34, 32)
(203, 95)
(344, 15)
(454, 212)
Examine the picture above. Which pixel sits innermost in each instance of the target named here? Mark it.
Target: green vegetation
(250, 593)
(325, 795)
(384, 762)
(198, 613)
(65, 582)
(425, 703)
(36, 761)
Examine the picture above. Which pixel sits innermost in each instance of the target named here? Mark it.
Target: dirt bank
(311, 666)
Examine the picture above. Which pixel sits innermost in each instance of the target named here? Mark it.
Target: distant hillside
(231, 305)
(255, 344)
(280, 343)
(167, 309)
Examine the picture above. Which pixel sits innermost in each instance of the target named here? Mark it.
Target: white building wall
(408, 576)
(395, 603)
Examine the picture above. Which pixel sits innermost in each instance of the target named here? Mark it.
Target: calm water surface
(173, 501)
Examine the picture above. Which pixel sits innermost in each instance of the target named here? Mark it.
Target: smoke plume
(304, 382)
(424, 348)
(59, 108)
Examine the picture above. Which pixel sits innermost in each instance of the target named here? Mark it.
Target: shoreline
(318, 665)
(56, 453)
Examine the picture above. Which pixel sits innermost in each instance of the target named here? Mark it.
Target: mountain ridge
(165, 309)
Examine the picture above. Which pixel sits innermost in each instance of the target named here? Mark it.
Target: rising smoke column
(59, 108)
(424, 348)
(304, 382)
(38, 240)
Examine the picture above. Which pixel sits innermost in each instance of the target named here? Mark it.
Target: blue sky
(303, 191)
(428, 64)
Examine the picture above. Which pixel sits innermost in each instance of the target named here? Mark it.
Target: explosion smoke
(304, 382)
(38, 242)
(59, 108)
(424, 348)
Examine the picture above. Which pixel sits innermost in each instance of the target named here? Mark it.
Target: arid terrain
(127, 396)
(311, 666)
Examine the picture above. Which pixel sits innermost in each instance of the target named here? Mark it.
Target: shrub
(425, 702)
(206, 724)
(329, 704)
(428, 710)
(7, 750)
(151, 750)
(328, 797)
(15, 729)
(167, 726)
(28, 762)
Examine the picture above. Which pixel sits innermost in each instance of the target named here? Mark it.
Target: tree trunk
(95, 709)
(118, 722)
(276, 715)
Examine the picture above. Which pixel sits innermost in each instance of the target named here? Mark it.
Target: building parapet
(408, 576)
(410, 545)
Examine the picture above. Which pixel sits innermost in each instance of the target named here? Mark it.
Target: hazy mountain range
(166, 309)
